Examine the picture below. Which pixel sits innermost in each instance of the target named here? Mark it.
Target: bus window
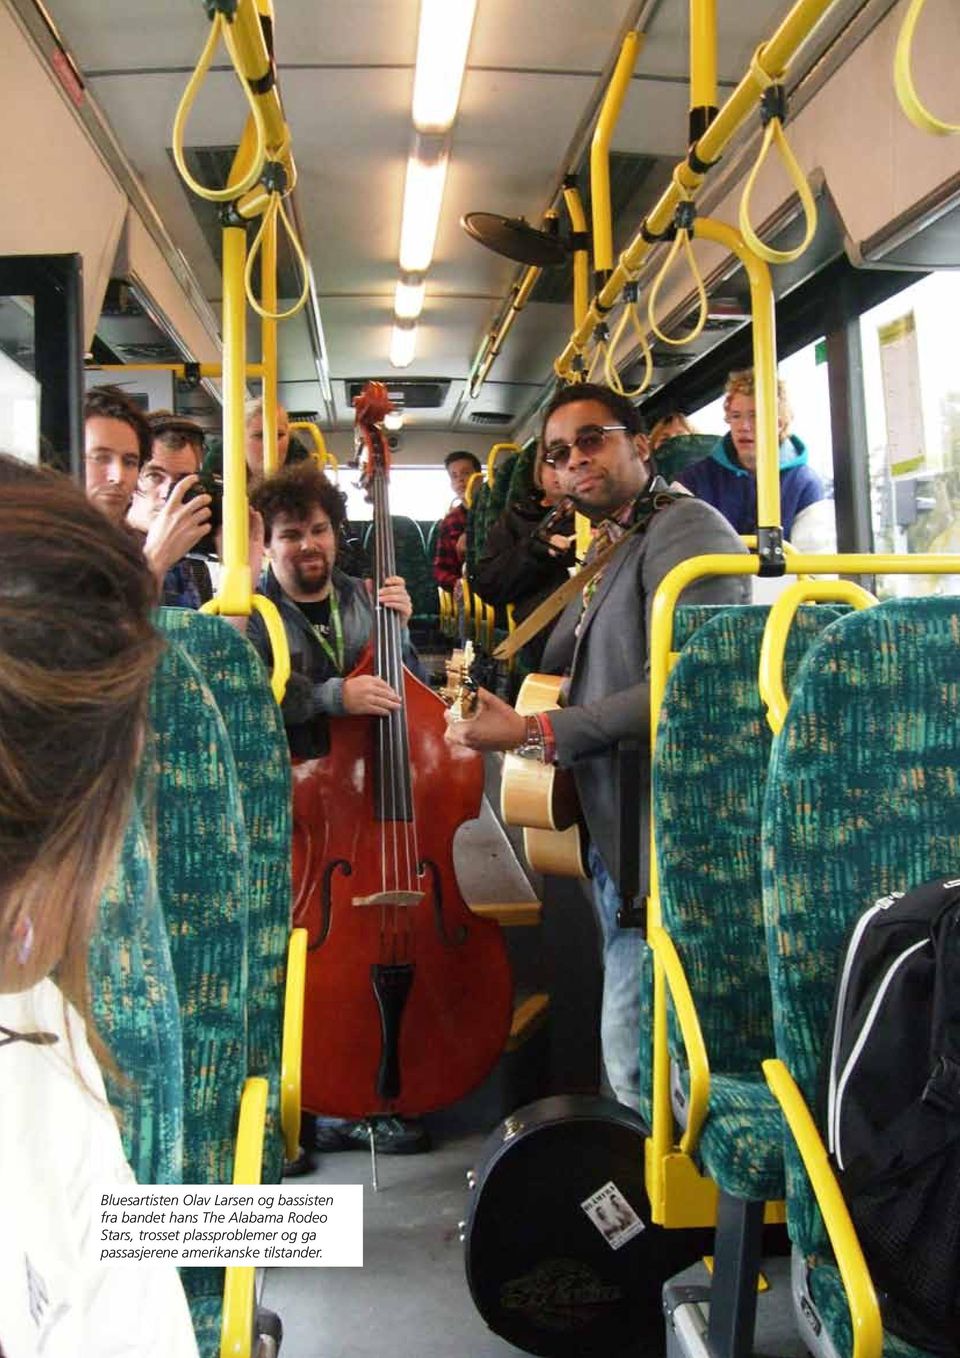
(912, 394)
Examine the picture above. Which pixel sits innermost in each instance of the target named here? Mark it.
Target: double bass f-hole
(460, 933)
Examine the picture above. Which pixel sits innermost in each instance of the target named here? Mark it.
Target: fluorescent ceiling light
(408, 302)
(393, 420)
(442, 44)
(403, 345)
(422, 200)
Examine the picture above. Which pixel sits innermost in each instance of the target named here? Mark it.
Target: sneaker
(391, 1136)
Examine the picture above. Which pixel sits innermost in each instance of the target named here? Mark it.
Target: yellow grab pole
(703, 66)
(763, 310)
(581, 253)
(268, 343)
(322, 455)
(775, 57)
(600, 155)
(235, 585)
(182, 370)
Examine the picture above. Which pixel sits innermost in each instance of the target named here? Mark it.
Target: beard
(312, 581)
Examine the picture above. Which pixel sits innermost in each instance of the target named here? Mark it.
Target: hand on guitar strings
(496, 725)
(393, 594)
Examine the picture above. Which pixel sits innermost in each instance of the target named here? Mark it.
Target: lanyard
(334, 653)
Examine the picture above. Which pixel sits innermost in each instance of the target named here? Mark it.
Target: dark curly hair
(620, 407)
(296, 491)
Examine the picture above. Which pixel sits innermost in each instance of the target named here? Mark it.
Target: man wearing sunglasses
(594, 439)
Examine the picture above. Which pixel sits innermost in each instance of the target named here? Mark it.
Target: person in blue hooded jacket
(727, 479)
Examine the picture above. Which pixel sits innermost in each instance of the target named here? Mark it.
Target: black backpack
(890, 1106)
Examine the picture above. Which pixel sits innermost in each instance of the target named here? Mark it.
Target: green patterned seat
(239, 684)
(137, 1014)
(708, 781)
(413, 564)
(202, 874)
(862, 799)
(675, 454)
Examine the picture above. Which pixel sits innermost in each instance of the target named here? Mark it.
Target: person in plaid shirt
(452, 537)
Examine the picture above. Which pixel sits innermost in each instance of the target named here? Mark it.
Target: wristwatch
(532, 746)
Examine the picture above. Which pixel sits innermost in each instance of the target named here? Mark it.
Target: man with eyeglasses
(593, 437)
(727, 479)
(171, 520)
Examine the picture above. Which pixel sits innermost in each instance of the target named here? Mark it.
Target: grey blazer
(608, 693)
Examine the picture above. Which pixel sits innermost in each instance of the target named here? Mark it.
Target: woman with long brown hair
(77, 652)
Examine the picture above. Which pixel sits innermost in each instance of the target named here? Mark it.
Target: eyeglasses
(590, 439)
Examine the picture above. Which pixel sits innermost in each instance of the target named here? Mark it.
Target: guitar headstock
(460, 690)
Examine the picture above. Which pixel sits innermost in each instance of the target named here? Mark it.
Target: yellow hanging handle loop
(629, 315)
(273, 210)
(232, 191)
(773, 112)
(275, 631)
(683, 225)
(910, 101)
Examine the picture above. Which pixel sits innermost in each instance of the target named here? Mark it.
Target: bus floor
(410, 1299)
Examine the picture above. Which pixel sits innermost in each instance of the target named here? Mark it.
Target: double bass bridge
(402, 898)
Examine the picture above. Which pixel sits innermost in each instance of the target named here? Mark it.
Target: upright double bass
(409, 994)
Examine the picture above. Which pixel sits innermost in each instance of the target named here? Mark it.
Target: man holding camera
(172, 507)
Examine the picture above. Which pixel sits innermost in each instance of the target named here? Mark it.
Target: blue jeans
(625, 1009)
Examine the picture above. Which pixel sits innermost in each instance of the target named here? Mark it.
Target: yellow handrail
(470, 490)
(494, 453)
(779, 621)
(774, 135)
(698, 1062)
(276, 632)
(861, 1298)
(763, 311)
(239, 1296)
(291, 1057)
(600, 153)
(322, 453)
(910, 101)
(581, 255)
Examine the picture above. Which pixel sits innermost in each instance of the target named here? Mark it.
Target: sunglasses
(590, 439)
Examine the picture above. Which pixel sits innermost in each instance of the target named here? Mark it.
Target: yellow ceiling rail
(581, 246)
(776, 55)
(910, 101)
(703, 66)
(600, 154)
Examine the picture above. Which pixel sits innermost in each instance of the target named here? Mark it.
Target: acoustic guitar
(541, 798)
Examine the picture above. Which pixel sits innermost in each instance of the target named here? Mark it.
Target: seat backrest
(202, 873)
(136, 1012)
(413, 564)
(675, 454)
(861, 800)
(240, 686)
(709, 772)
